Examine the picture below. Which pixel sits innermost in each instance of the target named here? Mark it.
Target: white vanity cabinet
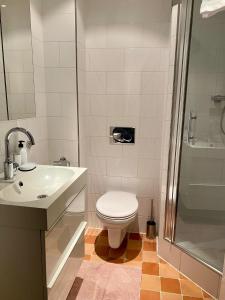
(64, 249)
(42, 246)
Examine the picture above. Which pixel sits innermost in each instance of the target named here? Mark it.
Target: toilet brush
(151, 225)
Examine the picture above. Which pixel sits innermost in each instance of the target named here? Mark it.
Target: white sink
(36, 185)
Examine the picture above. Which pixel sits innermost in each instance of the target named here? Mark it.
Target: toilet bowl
(116, 210)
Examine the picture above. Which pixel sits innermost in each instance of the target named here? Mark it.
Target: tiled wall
(54, 56)
(37, 125)
(124, 83)
(60, 78)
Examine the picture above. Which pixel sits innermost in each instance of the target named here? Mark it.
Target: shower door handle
(191, 126)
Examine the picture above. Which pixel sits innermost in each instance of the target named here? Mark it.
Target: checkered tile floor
(160, 281)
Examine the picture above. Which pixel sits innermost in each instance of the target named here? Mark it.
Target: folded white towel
(211, 7)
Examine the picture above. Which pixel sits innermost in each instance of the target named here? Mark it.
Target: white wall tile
(91, 202)
(124, 83)
(52, 51)
(67, 54)
(146, 59)
(54, 107)
(97, 126)
(66, 6)
(70, 151)
(126, 64)
(40, 102)
(59, 26)
(155, 34)
(100, 147)
(39, 79)
(95, 83)
(98, 105)
(153, 82)
(123, 35)
(121, 167)
(104, 60)
(21, 83)
(157, 10)
(113, 183)
(96, 165)
(55, 149)
(123, 105)
(141, 187)
(95, 36)
(150, 127)
(36, 19)
(148, 168)
(61, 80)
(96, 184)
(56, 128)
(38, 52)
(64, 125)
(69, 105)
(152, 105)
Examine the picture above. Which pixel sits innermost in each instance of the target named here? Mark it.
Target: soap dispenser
(23, 152)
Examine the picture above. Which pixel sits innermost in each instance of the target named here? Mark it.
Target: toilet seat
(116, 205)
(117, 210)
(116, 219)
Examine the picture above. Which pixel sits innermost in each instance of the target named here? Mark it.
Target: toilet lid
(117, 204)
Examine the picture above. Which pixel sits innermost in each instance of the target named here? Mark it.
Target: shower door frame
(178, 110)
(184, 30)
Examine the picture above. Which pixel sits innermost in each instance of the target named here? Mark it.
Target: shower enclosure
(195, 218)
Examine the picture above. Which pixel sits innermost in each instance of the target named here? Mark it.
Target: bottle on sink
(22, 152)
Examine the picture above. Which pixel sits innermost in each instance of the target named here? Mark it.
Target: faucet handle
(62, 162)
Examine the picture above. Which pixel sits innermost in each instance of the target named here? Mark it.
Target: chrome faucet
(8, 164)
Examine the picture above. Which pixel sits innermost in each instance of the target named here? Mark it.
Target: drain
(42, 196)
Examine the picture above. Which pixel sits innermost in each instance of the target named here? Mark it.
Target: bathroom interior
(112, 149)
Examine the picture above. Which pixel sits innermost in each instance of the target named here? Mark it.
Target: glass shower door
(200, 219)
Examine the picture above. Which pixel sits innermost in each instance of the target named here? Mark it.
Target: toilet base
(116, 229)
(116, 237)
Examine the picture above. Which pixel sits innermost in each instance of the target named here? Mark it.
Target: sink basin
(36, 185)
(37, 198)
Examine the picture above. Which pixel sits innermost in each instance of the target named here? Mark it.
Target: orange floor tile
(160, 281)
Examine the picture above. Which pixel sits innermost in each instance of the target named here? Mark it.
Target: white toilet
(116, 210)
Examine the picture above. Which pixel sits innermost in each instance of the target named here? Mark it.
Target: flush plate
(122, 135)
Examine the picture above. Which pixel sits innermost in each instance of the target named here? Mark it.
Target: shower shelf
(207, 184)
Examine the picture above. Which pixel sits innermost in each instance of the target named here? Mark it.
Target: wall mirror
(17, 97)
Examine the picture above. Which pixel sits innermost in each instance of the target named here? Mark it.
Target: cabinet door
(64, 282)
(63, 237)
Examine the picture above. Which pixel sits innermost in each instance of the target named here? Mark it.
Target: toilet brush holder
(151, 225)
(151, 229)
